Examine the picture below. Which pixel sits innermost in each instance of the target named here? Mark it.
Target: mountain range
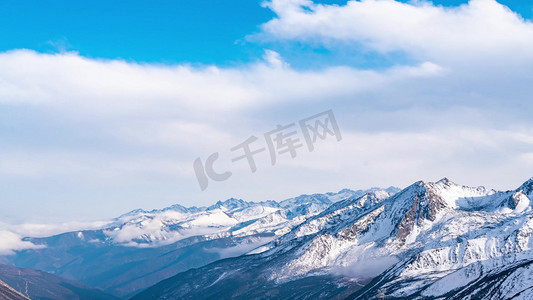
(140, 248)
(431, 240)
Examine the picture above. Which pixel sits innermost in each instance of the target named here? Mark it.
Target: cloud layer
(12, 242)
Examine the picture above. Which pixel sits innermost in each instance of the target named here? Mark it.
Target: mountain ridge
(9, 293)
(37, 284)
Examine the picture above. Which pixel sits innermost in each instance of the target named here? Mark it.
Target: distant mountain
(9, 293)
(430, 241)
(41, 285)
(141, 248)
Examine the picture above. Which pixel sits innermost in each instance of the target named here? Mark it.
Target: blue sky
(104, 105)
(171, 32)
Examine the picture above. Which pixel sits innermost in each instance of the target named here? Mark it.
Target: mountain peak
(231, 203)
(176, 207)
(445, 181)
(133, 213)
(528, 182)
(527, 187)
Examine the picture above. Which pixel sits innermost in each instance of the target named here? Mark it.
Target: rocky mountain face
(33, 284)
(428, 241)
(141, 248)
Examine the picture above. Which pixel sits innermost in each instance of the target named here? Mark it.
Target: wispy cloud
(12, 242)
(241, 248)
(49, 229)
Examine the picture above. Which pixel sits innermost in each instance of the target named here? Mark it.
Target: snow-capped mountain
(429, 241)
(140, 248)
(233, 217)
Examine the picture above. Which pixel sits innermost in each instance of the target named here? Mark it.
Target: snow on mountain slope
(233, 216)
(429, 240)
(435, 227)
(449, 223)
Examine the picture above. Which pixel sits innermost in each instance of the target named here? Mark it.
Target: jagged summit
(178, 208)
(527, 186)
(446, 182)
(231, 203)
(132, 213)
(418, 183)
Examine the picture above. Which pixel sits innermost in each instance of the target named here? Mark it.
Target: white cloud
(11, 242)
(241, 248)
(274, 59)
(367, 267)
(11, 236)
(48, 229)
(80, 85)
(473, 31)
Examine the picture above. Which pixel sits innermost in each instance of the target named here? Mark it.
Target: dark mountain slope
(41, 285)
